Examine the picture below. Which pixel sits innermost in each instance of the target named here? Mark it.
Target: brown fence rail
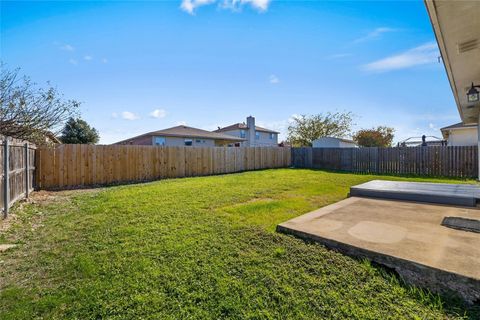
(17, 168)
(427, 161)
(81, 165)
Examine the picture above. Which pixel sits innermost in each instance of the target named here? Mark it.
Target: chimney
(251, 131)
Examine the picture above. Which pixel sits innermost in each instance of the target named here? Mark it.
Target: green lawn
(196, 248)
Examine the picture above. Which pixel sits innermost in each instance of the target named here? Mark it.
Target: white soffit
(457, 29)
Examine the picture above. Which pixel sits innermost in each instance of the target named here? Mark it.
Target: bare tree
(28, 111)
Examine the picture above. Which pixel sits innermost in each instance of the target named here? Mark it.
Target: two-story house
(254, 136)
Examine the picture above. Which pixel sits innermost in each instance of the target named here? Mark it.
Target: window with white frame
(188, 142)
(159, 141)
(242, 134)
(257, 135)
(272, 136)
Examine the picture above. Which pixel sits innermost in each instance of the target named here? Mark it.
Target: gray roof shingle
(188, 132)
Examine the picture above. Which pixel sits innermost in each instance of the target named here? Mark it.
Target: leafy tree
(305, 129)
(381, 136)
(29, 112)
(79, 131)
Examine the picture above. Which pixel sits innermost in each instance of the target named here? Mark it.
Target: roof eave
(432, 13)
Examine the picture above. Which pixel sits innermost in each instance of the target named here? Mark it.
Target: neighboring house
(460, 134)
(183, 136)
(253, 135)
(331, 142)
(51, 138)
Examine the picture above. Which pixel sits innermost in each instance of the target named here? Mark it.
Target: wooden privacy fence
(17, 167)
(82, 165)
(428, 161)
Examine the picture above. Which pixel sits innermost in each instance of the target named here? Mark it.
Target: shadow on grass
(449, 302)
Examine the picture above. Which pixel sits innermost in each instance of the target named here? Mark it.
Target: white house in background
(331, 142)
(460, 134)
(254, 136)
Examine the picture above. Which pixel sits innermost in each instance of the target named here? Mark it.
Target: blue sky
(143, 66)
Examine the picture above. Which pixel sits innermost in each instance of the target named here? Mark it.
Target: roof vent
(468, 45)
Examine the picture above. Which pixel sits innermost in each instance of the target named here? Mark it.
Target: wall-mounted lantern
(472, 94)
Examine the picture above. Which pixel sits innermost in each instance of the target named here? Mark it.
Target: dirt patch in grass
(30, 210)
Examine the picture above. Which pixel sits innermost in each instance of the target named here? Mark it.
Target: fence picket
(430, 161)
(76, 165)
(18, 170)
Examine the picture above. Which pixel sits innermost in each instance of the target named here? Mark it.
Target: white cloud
(279, 125)
(375, 34)
(181, 123)
(73, 61)
(158, 113)
(67, 47)
(425, 54)
(433, 127)
(339, 56)
(273, 79)
(260, 5)
(191, 5)
(293, 117)
(127, 115)
(88, 58)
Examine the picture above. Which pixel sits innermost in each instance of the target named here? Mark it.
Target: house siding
(235, 133)
(174, 141)
(250, 135)
(264, 140)
(180, 142)
(330, 142)
(462, 137)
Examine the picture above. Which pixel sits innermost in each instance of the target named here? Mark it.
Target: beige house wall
(463, 137)
(264, 140)
(180, 142)
(330, 142)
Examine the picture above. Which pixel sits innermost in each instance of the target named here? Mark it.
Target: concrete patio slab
(443, 193)
(405, 236)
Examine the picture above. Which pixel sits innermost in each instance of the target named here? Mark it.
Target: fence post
(6, 187)
(27, 170)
